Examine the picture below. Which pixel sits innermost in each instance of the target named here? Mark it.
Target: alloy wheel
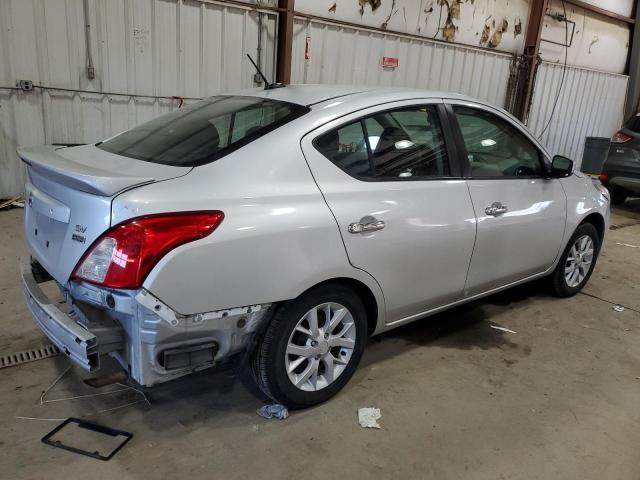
(579, 261)
(320, 346)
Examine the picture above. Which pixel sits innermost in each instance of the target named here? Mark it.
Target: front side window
(496, 148)
(398, 144)
(204, 131)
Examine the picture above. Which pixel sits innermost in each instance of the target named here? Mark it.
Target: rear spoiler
(75, 175)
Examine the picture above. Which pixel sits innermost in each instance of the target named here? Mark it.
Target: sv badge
(77, 237)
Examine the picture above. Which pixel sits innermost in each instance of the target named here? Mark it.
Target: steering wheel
(523, 171)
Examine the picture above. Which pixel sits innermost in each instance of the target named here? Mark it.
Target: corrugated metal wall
(341, 54)
(591, 104)
(146, 51)
(141, 49)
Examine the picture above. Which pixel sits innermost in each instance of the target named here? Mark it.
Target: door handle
(366, 224)
(496, 209)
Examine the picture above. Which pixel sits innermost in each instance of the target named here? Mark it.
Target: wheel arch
(597, 220)
(373, 305)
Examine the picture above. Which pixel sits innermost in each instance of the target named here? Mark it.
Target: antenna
(267, 85)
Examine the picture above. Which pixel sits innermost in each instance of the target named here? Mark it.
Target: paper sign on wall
(390, 62)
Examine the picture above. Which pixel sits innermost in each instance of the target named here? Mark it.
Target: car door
(520, 214)
(404, 213)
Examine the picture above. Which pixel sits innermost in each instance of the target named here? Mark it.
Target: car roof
(329, 102)
(310, 95)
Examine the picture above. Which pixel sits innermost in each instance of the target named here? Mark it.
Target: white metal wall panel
(598, 42)
(591, 104)
(342, 54)
(154, 48)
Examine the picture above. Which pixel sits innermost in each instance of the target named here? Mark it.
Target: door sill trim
(433, 311)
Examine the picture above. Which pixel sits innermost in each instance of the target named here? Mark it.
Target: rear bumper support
(78, 342)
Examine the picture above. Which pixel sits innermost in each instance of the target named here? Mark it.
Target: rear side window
(393, 145)
(347, 148)
(204, 131)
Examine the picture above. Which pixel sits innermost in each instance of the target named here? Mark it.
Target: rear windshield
(634, 124)
(203, 131)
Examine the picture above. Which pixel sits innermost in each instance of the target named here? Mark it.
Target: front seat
(388, 139)
(386, 155)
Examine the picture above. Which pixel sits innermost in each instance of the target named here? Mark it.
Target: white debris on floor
(628, 245)
(368, 416)
(618, 308)
(503, 329)
(274, 410)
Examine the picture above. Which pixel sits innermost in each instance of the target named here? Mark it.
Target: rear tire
(618, 195)
(299, 368)
(577, 261)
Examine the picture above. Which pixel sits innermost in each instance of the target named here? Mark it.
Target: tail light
(603, 177)
(620, 137)
(124, 255)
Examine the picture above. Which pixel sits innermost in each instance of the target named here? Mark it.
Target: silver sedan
(282, 227)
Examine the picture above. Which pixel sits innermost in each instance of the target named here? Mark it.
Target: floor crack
(608, 301)
(618, 227)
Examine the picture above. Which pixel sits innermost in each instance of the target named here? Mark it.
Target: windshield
(203, 131)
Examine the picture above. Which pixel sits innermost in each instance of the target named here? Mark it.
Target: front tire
(577, 261)
(311, 347)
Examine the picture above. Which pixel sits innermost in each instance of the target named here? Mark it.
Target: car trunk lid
(68, 199)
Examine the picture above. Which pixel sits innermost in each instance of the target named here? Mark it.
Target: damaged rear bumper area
(150, 340)
(63, 328)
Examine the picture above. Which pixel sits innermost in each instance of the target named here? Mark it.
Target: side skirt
(433, 311)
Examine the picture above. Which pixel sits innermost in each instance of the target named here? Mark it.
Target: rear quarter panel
(278, 237)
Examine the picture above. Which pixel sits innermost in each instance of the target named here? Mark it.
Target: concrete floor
(557, 399)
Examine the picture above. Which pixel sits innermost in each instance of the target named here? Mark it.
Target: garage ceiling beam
(285, 40)
(601, 11)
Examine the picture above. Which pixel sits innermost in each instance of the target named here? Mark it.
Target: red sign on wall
(390, 62)
(307, 48)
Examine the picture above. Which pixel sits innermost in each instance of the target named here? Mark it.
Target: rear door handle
(496, 209)
(366, 224)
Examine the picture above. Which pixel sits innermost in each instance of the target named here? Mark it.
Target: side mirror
(561, 167)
